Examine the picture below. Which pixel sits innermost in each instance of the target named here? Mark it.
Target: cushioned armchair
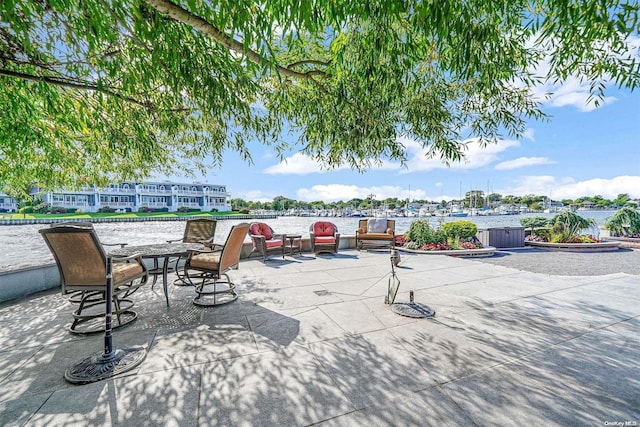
(196, 230)
(324, 237)
(82, 264)
(207, 270)
(265, 240)
(377, 232)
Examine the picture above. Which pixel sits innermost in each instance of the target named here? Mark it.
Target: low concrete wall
(22, 281)
(28, 280)
(576, 247)
(625, 242)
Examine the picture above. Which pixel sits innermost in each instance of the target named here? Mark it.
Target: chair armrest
(122, 245)
(192, 252)
(390, 231)
(120, 258)
(212, 246)
(257, 238)
(361, 231)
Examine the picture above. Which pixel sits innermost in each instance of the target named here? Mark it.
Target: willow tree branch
(186, 17)
(308, 61)
(82, 86)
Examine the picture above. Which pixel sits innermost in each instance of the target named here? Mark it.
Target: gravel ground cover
(568, 263)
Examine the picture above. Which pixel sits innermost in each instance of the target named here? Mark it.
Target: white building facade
(134, 196)
(8, 203)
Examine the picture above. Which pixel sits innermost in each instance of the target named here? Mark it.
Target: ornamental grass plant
(624, 223)
(454, 235)
(565, 227)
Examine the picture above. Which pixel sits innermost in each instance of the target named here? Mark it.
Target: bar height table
(160, 253)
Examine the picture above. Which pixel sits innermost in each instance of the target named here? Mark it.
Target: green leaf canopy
(96, 90)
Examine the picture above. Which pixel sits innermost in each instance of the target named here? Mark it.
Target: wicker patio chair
(265, 240)
(208, 267)
(375, 233)
(82, 264)
(324, 237)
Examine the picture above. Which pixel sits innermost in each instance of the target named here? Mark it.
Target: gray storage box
(502, 237)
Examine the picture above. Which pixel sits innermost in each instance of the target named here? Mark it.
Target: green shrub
(105, 209)
(57, 210)
(572, 222)
(460, 230)
(625, 220)
(543, 233)
(421, 233)
(534, 222)
(41, 208)
(567, 226)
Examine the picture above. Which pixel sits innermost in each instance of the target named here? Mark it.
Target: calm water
(22, 244)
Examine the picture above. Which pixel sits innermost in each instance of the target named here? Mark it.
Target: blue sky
(580, 151)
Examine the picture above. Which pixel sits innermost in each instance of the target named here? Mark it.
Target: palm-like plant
(625, 220)
(569, 224)
(535, 222)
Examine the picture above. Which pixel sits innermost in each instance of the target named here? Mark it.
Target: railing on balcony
(71, 204)
(154, 191)
(154, 204)
(125, 204)
(190, 192)
(129, 190)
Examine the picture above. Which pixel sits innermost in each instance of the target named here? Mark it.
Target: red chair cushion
(325, 239)
(323, 228)
(261, 229)
(273, 243)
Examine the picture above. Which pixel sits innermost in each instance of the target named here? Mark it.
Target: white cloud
(301, 164)
(298, 164)
(337, 192)
(475, 156)
(522, 162)
(568, 188)
(254, 195)
(528, 134)
(570, 92)
(574, 91)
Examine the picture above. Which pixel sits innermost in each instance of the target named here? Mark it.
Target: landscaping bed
(575, 247)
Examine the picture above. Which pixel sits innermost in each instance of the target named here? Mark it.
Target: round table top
(293, 236)
(158, 249)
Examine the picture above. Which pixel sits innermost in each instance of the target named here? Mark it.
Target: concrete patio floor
(311, 342)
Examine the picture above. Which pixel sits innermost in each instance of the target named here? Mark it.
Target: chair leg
(85, 323)
(223, 291)
(181, 276)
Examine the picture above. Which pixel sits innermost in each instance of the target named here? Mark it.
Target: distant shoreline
(126, 218)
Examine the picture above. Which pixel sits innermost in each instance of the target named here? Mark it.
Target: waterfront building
(7, 203)
(136, 196)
